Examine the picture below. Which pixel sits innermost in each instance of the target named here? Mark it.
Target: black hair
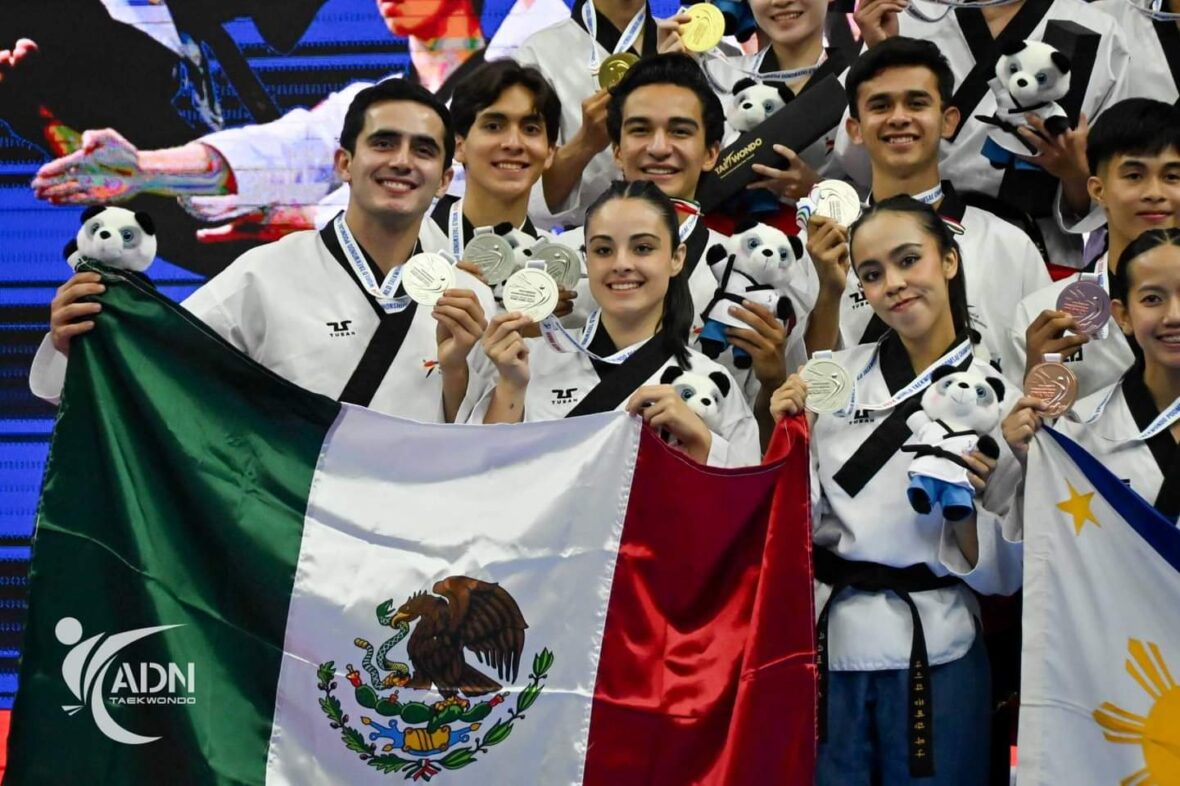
(1120, 275)
(899, 52)
(936, 228)
(396, 90)
(676, 322)
(671, 68)
(483, 86)
(1136, 126)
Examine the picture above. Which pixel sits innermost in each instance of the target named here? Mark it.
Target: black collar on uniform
(1169, 35)
(1163, 447)
(441, 216)
(609, 35)
(985, 51)
(697, 243)
(834, 65)
(328, 235)
(603, 346)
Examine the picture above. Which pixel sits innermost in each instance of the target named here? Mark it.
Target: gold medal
(705, 30)
(614, 67)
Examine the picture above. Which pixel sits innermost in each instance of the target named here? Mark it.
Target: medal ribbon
(784, 76)
(1162, 421)
(952, 358)
(1099, 277)
(693, 211)
(383, 292)
(1155, 10)
(626, 40)
(917, 13)
(561, 341)
(930, 196)
(455, 228)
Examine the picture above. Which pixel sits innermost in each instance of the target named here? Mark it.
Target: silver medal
(532, 292)
(829, 386)
(561, 262)
(426, 276)
(835, 199)
(493, 255)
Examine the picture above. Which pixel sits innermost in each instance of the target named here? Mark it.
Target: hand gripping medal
(614, 67)
(493, 255)
(832, 198)
(561, 262)
(705, 30)
(532, 292)
(426, 276)
(829, 387)
(1053, 383)
(1089, 305)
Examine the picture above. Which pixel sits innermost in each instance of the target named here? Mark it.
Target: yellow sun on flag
(1078, 506)
(1158, 733)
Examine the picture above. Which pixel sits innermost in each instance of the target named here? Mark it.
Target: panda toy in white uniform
(959, 409)
(1031, 77)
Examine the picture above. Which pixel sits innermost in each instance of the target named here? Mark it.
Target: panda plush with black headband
(1031, 78)
(115, 237)
(959, 410)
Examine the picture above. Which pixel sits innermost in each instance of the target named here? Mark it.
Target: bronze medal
(1053, 383)
(1088, 303)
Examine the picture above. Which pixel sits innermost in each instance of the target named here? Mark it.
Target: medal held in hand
(829, 386)
(426, 276)
(561, 262)
(832, 198)
(532, 292)
(1088, 303)
(705, 30)
(493, 255)
(1053, 383)
(614, 67)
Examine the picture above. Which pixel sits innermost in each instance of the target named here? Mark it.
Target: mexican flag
(236, 581)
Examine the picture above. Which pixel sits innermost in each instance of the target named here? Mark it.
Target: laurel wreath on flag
(455, 759)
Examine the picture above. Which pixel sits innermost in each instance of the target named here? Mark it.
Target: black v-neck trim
(896, 367)
(603, 345)
(609, 35)
(441, 216)
(985, 51)
(696, 245)
(1163, 447)
(1169, 35)
(328, 236)
(952, 206)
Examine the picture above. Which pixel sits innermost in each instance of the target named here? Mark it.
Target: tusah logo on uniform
(563, 395)
(341, 328)
(87, 663)
(857, 297)
(439, 711)
(862, 416)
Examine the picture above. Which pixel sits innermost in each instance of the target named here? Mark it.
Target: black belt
(871, 577)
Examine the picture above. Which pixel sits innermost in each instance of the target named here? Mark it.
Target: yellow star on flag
(1078, 506)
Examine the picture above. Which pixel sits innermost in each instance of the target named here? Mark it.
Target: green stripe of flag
(154, 514)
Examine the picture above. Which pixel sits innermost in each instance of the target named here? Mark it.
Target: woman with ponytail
(1132, 426)
(633, 352)
(904, 678)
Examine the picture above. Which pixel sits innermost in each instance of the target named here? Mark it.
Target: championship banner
(237, 581)
(1099, 699)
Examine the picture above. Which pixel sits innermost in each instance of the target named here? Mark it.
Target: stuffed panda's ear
(784, 92)
(796, 245)
(1060, 62)
(743, 84)
(721, 381)
(715, 254)
(70, 248)
(91, 212)
(944, 370)
(1012, 47)
(670, 374)
(745, 224)
(145, 222)
(997, 386)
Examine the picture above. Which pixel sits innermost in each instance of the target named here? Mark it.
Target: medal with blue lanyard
(626, 40)
(384, 292)
(920, 383)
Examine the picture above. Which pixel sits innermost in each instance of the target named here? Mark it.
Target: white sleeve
(738, 444)
(1073, 225)
(288, 161)
(47, 375)
(998, 569)
(1014, 356)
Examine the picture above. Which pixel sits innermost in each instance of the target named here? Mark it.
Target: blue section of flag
(1156, 529)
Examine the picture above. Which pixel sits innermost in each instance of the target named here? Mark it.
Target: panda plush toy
(115, 237)
(702, 394)
(754, 101)
(959, 410)
(1031, 77)
(757, 270)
